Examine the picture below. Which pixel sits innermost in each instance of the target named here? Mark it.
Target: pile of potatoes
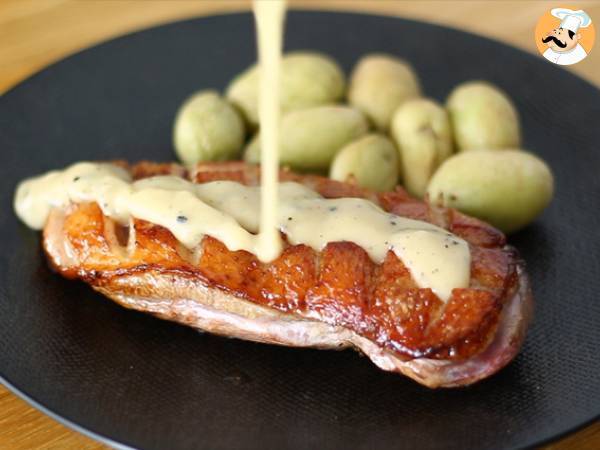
(464, 154)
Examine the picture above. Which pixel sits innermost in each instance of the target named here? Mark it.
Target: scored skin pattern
(340, 285)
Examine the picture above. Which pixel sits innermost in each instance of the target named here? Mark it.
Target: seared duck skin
(334, 298)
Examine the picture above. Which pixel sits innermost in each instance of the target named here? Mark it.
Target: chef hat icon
(572, 20)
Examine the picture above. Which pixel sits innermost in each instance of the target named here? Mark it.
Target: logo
(565, 36)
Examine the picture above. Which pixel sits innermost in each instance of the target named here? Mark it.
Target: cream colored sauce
(251, 218)
(269, 17)
(230, 212)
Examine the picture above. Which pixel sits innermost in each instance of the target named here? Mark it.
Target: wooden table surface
(34, 33)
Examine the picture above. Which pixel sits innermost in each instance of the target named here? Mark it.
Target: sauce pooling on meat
(250, 218)
(230, 212)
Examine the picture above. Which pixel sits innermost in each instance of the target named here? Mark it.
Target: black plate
(148, 383)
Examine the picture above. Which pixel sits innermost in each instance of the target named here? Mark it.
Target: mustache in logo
(556, 41)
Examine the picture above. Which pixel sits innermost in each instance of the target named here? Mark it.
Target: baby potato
(207, 128)
(483, 117)
(252, 150)
(379, 84)
(372, 160)
(307, 79)
(310, 138)
(508, 189)
(421, 130)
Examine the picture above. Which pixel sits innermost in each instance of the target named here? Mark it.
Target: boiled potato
(252, 150)
(379, 84)
(307, 79)
(310, 138)
(207, 128)
(421, 130)
(508, 189)
(483, 117)
(371, 160)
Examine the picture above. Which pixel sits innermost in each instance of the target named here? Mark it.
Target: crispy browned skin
(339, 286)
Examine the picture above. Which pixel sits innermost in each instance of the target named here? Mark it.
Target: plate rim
(70, 424)
(242, 12)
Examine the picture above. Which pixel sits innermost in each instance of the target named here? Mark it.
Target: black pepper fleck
(289, 218)
(393, 223)
(182, 219)
(76, 179)
(333, 208)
